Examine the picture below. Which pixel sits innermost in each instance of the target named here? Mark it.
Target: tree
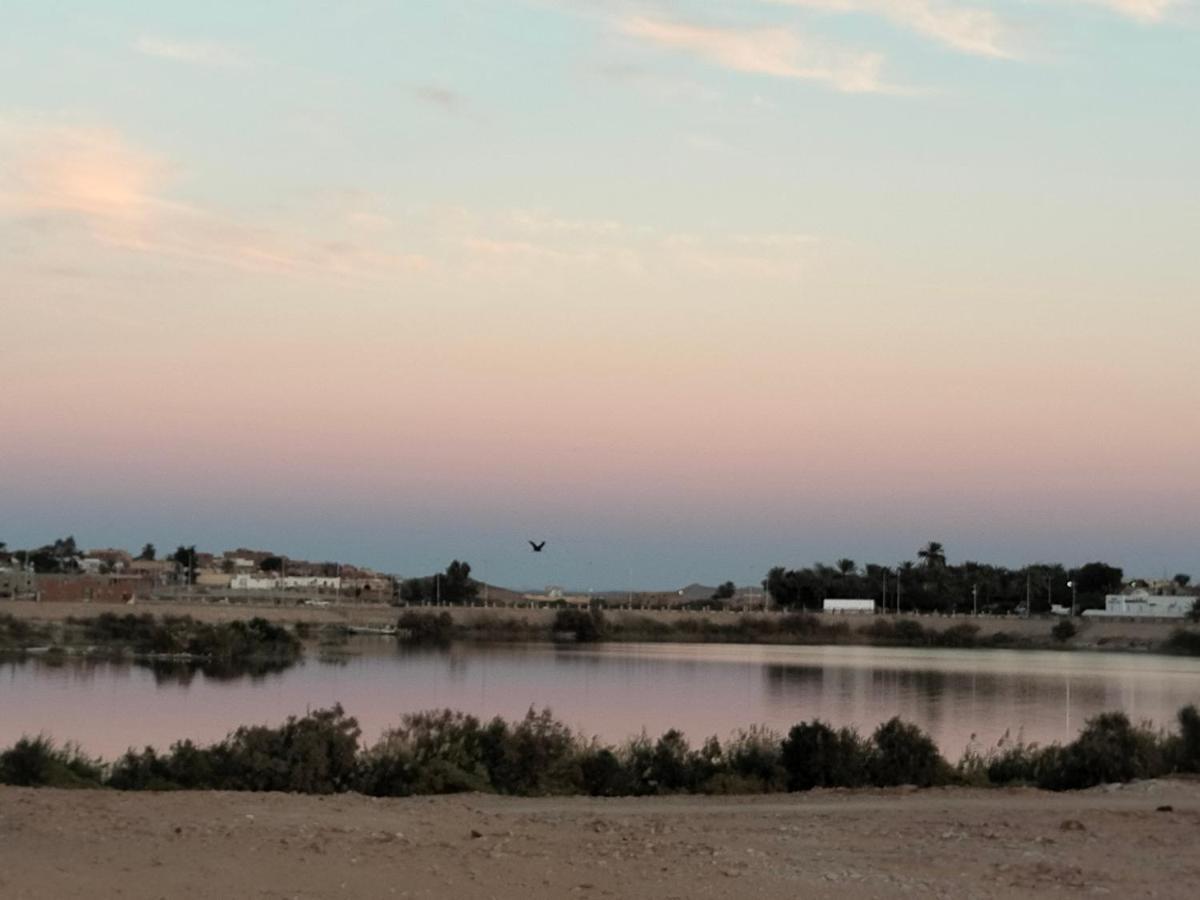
(457, 585)
(271, 564)
(185, 563)
(148, 552)
(846, 566)
(933, 554)
(1095, 580)
(1182, 579)
(725, 591)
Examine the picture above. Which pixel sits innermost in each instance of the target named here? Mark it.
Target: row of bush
(446, 752)
(587, 625)
(254, 640)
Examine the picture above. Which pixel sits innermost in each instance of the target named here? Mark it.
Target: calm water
(614, 691)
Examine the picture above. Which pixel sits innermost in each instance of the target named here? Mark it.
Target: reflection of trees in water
(184, 672)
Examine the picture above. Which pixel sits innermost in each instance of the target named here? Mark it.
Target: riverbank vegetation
(589, 625)
(592, 625)
(441, 752)
(253, 643)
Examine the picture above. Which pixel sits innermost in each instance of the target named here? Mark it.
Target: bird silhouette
(537, 548)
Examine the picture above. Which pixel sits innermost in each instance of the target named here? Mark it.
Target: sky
(686, 289)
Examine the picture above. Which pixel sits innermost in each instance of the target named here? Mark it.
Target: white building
(310, 581)
(1142, 604)
(250, 583)
(850, 606)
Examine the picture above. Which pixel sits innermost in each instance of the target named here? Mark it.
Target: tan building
(91, 588)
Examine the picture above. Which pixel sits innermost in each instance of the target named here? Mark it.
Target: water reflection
(612, 691)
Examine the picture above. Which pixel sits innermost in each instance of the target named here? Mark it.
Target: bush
(602, 774)
(1064, 631)
(814, 755)
(904, 754)
(755, 756)
(586, 625)
(538, 756)
(1187, 750)
(1109, 749)
(426, 628)
(436, 752)
(962, 635)
(36, 762)
(1183, 642)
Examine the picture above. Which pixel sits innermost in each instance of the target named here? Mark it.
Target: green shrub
(585, 624)
(37, 762)
(755, 757)
(904, 754)
(538, 756)
(962, 635)
(426, 628)
(316, 754)
(435, 752)
(1183, 642)
(814, 755)
(602, 773)
(1064, 631)
(1187, 754)
(1109, 749)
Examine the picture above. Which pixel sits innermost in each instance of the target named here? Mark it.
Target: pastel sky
(687, 289)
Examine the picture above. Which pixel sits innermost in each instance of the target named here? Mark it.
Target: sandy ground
(941, 843)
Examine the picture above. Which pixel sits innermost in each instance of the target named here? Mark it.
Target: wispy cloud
(200, 53)
(442, 97)
(776, 52)
(968, 29)
(1142, 10)
(72, 180)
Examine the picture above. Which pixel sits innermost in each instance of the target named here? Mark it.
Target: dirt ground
(939, 843)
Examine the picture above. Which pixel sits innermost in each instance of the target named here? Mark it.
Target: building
(16, 583)
(244, 582)
(1143, 604)
(311, 582)
(91, 588)
(860, 607)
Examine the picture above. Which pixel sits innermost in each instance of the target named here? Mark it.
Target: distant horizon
(164, 550)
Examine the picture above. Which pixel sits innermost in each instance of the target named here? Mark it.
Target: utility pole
(437, 586)
(898, 590)
(975, 599)
(1028, 594)
(884, 604)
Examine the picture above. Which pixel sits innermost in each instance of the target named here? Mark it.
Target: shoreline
(498, 624)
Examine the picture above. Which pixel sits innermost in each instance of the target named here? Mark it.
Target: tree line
(932, 584)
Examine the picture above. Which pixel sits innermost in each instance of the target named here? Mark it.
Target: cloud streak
(973, 30)
(1141, 10)
(66, 177)
(198, 53)
(774, 52)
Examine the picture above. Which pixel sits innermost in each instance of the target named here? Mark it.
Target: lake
(612, 690)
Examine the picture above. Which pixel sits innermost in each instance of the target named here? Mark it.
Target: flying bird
(537, 548)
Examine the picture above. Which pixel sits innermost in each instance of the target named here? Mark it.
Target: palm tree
(846, 566)
(934, 555)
